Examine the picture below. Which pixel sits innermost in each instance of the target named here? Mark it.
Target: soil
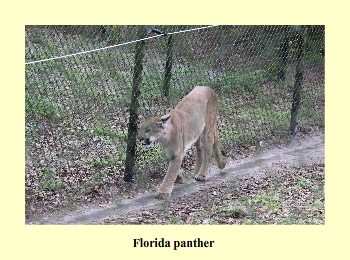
(300, 151)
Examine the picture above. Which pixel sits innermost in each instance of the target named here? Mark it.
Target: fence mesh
(78, 107)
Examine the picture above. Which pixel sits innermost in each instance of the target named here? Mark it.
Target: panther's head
(151, 130)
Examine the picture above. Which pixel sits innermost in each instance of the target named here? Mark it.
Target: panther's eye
(147, 130)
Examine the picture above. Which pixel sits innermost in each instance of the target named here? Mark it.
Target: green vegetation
(40, 106)
(109, 160)
(48, 181)
(150, 155)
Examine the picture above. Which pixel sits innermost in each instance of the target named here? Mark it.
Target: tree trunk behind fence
(132, 127)
(168, 65)
(297, 83)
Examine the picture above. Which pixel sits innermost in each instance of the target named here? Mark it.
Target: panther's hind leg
(207, 137)
(199, 156)
(206, 143)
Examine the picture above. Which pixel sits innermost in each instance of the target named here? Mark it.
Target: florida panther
(193, 121)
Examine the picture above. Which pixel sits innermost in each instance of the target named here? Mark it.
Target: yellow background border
(20, 241)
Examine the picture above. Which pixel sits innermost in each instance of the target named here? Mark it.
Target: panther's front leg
(169, 179)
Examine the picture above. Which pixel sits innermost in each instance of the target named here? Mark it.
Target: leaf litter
(280, 193)
(293, 195)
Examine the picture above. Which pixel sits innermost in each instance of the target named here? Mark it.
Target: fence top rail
(117, 45)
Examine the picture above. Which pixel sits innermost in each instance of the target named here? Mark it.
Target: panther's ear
(162, 123)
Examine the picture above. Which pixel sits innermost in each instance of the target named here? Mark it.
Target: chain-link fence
(78, 106)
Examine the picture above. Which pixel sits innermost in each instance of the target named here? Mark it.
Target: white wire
(112, 46)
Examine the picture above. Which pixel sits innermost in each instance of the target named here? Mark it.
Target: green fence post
(132, 127)
(168, 65)
(297, 82)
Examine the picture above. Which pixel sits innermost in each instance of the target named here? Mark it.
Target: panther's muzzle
(146, 142)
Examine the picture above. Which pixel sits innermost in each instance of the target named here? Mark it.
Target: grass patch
(115, 159)
(38, 106)
(274, 120)
(49, 182)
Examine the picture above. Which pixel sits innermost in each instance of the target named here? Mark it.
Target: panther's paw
(180, 178)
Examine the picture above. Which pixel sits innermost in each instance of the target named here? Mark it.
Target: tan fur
(193, 121)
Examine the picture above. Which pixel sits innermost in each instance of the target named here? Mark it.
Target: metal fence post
(168, 65)
(132, 126)
(297, 82)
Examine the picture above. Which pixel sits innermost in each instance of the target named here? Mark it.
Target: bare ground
(267, 184)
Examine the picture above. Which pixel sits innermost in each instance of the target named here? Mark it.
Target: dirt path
(299, 152)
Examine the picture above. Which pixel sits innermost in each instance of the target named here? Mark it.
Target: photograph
(174, 125)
